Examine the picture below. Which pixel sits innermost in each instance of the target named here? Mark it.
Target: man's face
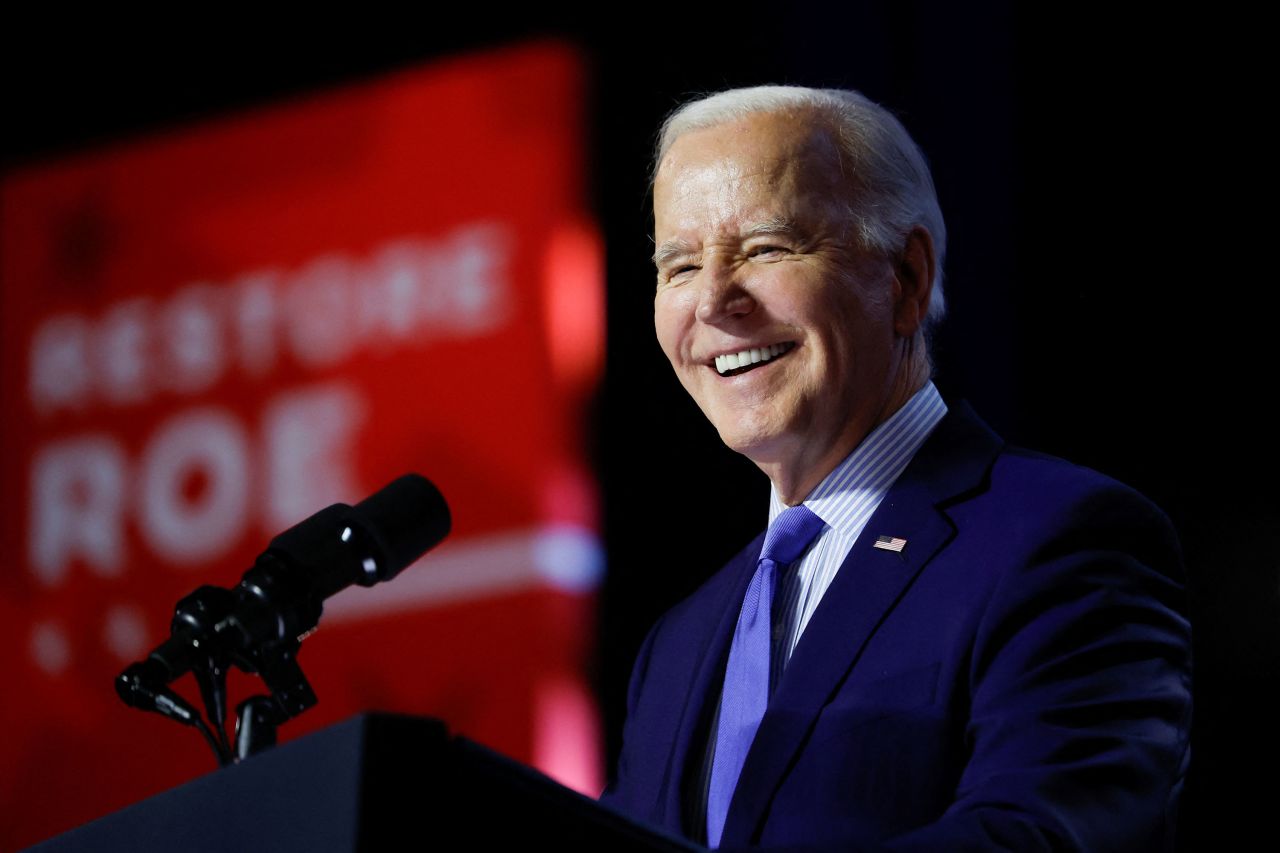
(756, 255)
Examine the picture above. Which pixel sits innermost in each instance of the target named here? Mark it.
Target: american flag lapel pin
(890, 543)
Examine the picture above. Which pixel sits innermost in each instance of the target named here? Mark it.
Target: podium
(374, 782)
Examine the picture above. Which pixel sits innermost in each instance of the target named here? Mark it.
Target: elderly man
(941, 642)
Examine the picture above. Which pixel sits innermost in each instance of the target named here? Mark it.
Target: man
(941, 642)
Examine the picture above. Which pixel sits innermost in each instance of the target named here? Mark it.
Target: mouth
(733, 364)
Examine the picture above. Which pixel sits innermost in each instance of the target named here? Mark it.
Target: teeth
(732, 361)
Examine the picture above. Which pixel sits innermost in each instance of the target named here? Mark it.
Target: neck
(795, 477)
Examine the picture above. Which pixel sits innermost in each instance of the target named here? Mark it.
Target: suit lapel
(954, 460)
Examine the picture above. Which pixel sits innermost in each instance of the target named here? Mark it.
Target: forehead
(762, 166)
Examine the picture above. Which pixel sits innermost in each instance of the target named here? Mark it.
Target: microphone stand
(199, 642)
(258, 717)
(196, 615)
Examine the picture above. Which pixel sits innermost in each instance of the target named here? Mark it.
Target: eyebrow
(669, 250)
(776, 226)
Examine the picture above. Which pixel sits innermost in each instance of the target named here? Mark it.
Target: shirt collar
(875, 463)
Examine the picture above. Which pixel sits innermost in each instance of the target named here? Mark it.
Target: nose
(723, 296)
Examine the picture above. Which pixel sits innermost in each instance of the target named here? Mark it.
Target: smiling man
(940, 642)
(760, 266)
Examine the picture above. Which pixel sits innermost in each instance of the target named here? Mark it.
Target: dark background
(1107, 298)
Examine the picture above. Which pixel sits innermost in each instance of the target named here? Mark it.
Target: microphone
(280, 599)
(137, 687)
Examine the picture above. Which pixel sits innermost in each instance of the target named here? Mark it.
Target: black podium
(375, 782)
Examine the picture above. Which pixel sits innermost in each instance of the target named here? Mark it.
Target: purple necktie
(746, 677)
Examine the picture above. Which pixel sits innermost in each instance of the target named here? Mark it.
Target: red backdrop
(210, 335)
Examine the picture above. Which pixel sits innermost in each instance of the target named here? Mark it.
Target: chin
(752, 443)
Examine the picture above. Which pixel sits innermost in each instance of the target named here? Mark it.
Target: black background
(1109, 297)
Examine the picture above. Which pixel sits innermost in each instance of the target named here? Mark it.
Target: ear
(913, 282)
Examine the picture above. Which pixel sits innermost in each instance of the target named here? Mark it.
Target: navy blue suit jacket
(1017, 678)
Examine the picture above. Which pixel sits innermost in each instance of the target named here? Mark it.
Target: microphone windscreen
(407, 518)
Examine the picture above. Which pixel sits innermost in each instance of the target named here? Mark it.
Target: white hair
(894, 190)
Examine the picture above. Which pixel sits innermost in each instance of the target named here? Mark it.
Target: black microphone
(138, 687)
(279, 599)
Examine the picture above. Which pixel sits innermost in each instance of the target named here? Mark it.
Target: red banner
(210, 335)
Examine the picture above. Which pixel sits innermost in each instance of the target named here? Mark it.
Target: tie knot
(790, 533)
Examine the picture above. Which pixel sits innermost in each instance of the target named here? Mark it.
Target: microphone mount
(258, 626)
